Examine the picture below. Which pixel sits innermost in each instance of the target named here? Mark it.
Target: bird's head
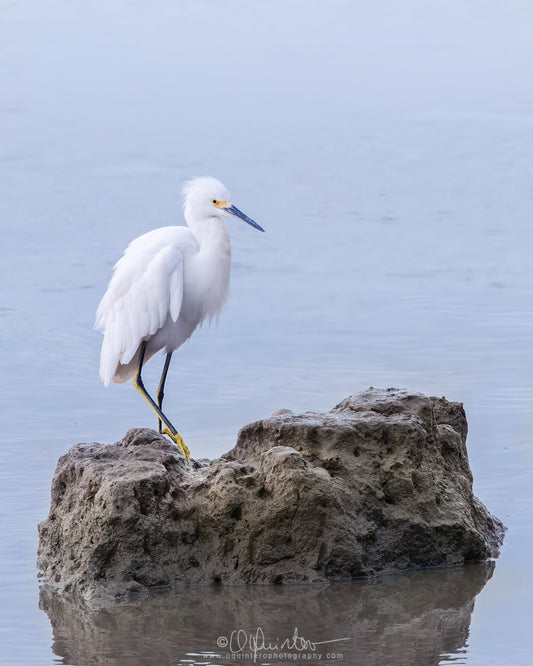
(208, 197)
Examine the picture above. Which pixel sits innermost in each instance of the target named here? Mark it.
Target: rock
(381, 483)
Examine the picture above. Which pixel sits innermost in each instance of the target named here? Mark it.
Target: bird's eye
(214, 201)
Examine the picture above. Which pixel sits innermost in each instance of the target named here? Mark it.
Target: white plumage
(168, 282)
(144, 298)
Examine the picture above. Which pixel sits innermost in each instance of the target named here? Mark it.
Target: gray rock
(381, 483)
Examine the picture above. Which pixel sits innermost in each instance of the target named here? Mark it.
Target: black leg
(169, 428)
(161, 388)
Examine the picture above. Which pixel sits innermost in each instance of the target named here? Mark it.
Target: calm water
(387, 149)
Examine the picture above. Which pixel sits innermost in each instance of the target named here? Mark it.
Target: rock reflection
(411, 619)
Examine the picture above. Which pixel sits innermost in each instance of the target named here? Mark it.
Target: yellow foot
(178, 440)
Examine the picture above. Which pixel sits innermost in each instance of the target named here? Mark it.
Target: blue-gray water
(387, 149)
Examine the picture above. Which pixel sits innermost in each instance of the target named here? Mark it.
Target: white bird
(167, 283)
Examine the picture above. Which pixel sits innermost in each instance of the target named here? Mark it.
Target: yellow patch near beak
(223, 204)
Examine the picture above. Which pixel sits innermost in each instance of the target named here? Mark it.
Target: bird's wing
(146, 288)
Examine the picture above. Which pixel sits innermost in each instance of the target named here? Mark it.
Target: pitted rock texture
(381, 483)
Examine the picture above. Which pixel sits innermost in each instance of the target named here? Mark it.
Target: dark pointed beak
(233, 210)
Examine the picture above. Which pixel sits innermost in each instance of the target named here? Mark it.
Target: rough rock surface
(380, 483)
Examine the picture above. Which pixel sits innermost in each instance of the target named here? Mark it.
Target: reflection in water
(412, 619)
(389, 155)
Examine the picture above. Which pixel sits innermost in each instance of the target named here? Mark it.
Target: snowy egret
(168, 281)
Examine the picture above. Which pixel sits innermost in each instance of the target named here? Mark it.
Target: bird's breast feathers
(206, 278)
(165, 279)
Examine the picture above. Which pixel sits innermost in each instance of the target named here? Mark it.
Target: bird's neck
(214, 255)
(210, 232)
